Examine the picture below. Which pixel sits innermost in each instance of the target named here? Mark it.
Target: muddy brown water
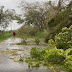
(7, 50)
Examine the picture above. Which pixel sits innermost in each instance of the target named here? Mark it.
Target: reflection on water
(8, 65)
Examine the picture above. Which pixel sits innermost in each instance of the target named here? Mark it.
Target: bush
(70, 53)
(54, 56)
(37, 41)
(5, 35)
(48, 56)
(35, 53)
(51, 42)
(67, 67)
(28, 30)
(64, 39)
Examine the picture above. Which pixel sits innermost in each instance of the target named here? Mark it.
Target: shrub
(70, 53)
(67, 67)
(35, 53)
(54, 56)
(51, 42)
(48, 56)
(64, 39)
(37, 41)
(28, 30)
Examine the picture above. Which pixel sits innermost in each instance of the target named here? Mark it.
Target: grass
(20, 44)
(5, 35)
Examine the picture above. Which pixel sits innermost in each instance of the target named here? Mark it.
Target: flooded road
(10, 53)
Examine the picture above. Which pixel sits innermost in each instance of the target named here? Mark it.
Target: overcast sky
(13, 4)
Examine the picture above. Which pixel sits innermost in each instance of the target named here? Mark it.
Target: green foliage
(59, 18)
(31, 32)
(18, 19)
(51, 42)
(37, 41)
(56, 58)
(32, 62)
(68, 62)
(5, 35)
(21, 59)
(67, 67)
(35, 53)
(64, 39)
(42, 34)
(27, 30)
(57, 22)
(70, 53)
(37, 57)
(61, 56)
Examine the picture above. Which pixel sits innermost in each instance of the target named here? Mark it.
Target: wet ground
(10, 54)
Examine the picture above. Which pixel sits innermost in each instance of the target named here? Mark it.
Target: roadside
(5, 35)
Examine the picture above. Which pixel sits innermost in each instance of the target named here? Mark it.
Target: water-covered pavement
(8, 50)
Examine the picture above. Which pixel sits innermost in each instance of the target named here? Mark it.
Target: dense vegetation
(58, 57)
(50, 22)
(54, 24)
(45, 20)
(61, 20)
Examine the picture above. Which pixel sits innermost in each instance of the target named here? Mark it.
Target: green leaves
(58, 57)
(47, 56)
(65, 29)
(37, 41)
(64, 39)
(34, 52)
(55, 58)
(51, 42)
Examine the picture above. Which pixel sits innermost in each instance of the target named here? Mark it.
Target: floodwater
(10, 53)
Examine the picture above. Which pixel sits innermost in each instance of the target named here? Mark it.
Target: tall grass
(5, 35)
